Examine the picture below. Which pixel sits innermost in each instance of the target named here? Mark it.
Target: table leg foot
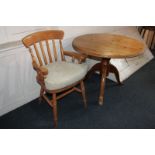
(100, 101)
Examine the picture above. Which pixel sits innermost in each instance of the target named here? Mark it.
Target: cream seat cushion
(62, 74)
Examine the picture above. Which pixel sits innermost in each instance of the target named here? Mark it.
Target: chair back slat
(42, 35)
(49, 51)
(35, 65)
(47, 54)
(61, 50)
(37, 54)
(55, 51)
(43, 52)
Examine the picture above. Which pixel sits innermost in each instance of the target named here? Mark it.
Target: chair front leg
(83, 93)
(41, 94)
(55, 115)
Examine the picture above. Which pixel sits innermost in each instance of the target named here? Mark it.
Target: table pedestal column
(104, 67)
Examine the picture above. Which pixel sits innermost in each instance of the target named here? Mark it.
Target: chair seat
(62, 74)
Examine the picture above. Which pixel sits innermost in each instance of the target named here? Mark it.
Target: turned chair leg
(55, 115)
(83, 93)
(41, 94)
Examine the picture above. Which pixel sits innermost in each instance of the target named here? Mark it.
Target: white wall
(15, 33)
(3, 36)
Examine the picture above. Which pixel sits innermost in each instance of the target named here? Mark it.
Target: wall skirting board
(18, 84)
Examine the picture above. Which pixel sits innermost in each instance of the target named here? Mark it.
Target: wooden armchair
(54, 73)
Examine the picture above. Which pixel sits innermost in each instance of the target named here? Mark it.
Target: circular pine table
(107, 46)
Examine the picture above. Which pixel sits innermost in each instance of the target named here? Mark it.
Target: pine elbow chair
(54, 73)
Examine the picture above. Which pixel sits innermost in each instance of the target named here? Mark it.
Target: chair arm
(41, 75)
(43, 70)
(40, 70)
(80, 57)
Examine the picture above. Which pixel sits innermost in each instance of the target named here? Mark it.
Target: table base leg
(96, 67)
(113, 69)
(104, 72)
(104, 67)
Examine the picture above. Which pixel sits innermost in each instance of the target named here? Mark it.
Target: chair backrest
(44, 46)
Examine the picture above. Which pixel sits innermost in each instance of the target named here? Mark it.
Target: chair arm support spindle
(81, 58)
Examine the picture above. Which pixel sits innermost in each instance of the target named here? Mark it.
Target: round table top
(108, 45)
